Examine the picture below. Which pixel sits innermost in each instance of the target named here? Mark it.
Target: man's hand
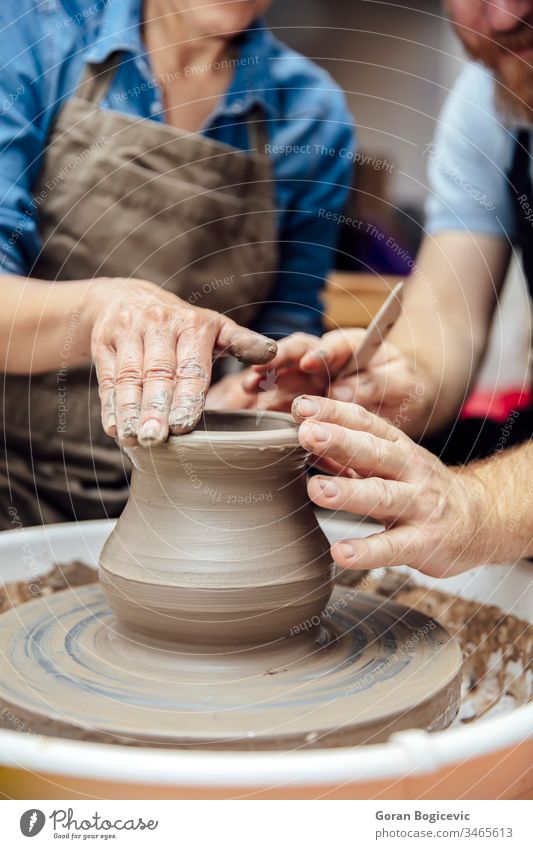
(312, 365)
(153, 355)
(433, 514)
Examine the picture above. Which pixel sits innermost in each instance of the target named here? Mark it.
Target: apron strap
(96, 79)
(256, 129)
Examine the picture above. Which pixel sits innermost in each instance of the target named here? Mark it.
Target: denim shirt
(44, 45)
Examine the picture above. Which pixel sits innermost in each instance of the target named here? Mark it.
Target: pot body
(218, 543)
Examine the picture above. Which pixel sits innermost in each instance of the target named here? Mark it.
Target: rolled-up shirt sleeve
(468, 160)
(22, 134)
(313, 162)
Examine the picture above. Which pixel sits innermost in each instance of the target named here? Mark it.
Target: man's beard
(513, 73)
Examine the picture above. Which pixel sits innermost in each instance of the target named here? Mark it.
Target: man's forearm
(448, 307)
(504, 484)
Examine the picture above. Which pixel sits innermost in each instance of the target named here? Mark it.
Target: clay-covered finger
(249, 347)
(396, 547)
(290, 351)
(128, 383)
(104, 357)
(383, 500)
(158, 379)
(351, 416)
(193, 376)
(367, 454)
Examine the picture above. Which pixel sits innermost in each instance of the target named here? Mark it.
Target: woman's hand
(433, 514)
(153, 355)
(389, 386)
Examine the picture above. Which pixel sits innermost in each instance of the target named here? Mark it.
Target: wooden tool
(377, 331)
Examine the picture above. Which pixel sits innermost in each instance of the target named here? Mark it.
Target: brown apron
(127, 197)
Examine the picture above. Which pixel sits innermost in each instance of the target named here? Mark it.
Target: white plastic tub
(488, 759)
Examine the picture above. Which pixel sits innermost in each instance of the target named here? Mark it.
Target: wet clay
(372, 667)
(218, 543)
(497, 647)
(61, 577)
(213, 624)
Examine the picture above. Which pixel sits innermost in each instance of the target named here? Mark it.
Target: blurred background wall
(396, 61)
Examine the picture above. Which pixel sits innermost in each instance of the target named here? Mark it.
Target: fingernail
(182, 418)
(347, 549)
(151, 431)
(329, 488)
(306, 407)
(314, 432)
(259, 349)
(342, 393)
(111, 422)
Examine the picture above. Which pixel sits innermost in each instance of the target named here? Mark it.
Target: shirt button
(237, 106)
(155, 108)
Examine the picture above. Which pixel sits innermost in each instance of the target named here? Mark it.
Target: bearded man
(438, 518)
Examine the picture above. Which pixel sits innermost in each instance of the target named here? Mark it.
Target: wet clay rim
(283, 429)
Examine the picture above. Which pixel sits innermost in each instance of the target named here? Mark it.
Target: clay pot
(218, 543)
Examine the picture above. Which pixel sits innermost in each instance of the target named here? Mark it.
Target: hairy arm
(443, 330)
(505, 484)
(421, 375)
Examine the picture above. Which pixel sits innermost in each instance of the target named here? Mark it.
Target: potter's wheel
(372, 667)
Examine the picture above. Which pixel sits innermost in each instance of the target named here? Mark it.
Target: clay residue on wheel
(497, 647)
(61, 577)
